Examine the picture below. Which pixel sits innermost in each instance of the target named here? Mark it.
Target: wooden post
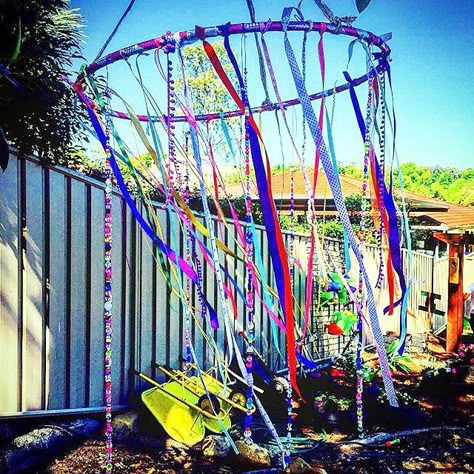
(455, 288)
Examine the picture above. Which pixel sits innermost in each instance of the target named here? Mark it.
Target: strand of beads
(367, 145)
(202, 300)
(108, 300)
(382, 123)
(250, 329)
(187, 321)
(381, 183)
(250, 294)
(289, 391)
(170, 126)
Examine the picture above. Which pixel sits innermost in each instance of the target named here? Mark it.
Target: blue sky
(432, 67)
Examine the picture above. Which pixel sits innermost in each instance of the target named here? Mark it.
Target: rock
(319, 470)
(300, 466)
(216, 446)
(418, 341)
(253, 454)
(469, 380)
(280, 384)
(26, 452)
(126, 426)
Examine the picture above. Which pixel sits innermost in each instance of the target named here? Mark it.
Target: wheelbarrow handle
(190, 405)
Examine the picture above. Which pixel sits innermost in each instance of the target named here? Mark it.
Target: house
(433, 214)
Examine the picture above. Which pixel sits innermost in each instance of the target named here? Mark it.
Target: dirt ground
(443, 390)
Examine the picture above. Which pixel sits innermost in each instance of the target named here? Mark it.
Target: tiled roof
(456, 217)
(438, 213)
(281, 186)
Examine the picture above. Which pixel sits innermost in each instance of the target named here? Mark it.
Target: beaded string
(289, 392)
(170, 127)
(380, 230)
(250, 290)
(363, 217)
(172, 167)
(108, 294)
(250, 294)
(187, 321)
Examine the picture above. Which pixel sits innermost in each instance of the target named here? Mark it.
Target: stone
(126, 426)
(26, 452)
(300, 466)
(252, 454)
(469, 380)
(216, 446)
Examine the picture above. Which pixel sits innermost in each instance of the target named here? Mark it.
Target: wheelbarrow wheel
(210, 404)
(280, 385)
(239, 397)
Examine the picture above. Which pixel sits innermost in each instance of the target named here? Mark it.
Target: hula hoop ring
(169, 41)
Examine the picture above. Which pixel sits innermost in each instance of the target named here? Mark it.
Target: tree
(448, 184)
(208, 93)
(38, 42)
(352, 169)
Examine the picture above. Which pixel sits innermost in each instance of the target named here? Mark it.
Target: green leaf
(404, 359)
(403, 367)
(391, 347)
(362, 5)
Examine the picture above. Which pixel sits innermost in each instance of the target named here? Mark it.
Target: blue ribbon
(393, 234)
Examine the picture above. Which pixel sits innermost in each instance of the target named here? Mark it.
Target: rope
(338, 21)
(263, 74)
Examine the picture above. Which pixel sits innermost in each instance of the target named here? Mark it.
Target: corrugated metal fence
(427, 302)
(51, 283)
(52, 290)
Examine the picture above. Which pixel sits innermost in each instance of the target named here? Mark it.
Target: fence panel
(468, 272)
(10, 287)
(421, 274)
(440, 293)
(96, 295)
(51, 283)
(58, 318)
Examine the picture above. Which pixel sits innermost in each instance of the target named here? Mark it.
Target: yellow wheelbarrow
(184, 409)
(213, 396)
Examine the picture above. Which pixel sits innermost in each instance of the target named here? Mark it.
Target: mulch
(445, 400)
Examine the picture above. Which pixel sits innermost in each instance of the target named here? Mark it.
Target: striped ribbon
(334, 184)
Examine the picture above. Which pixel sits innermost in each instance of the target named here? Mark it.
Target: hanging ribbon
(394, 259)
(164, 249)
(275, 238)
(339, 201)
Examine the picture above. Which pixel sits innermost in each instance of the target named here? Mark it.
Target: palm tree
(39, 41)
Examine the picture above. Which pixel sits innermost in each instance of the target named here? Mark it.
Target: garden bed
(437, 398)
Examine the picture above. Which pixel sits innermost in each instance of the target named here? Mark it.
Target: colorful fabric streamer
(310, 117)
(276, 245)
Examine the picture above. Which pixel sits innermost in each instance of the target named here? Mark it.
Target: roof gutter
(442, 227)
